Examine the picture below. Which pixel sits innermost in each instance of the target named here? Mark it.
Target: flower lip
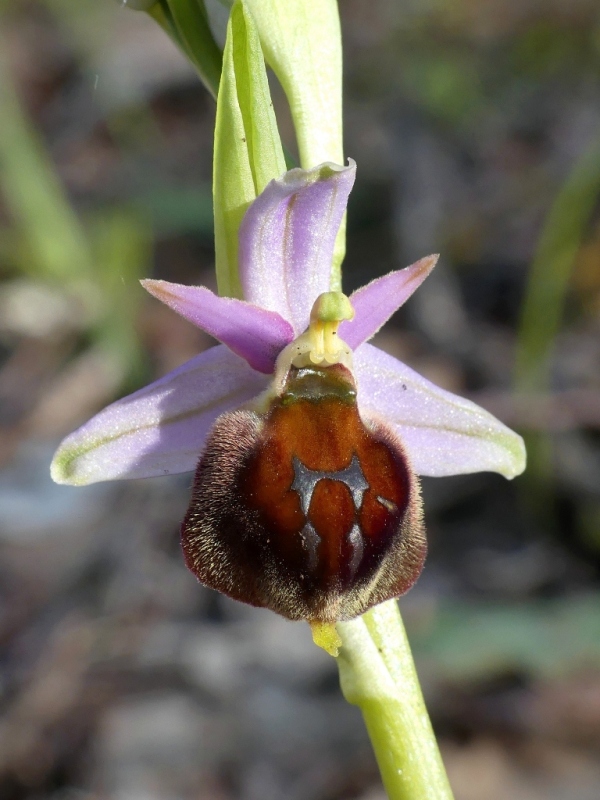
(310, 494)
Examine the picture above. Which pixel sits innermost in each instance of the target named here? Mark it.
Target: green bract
(248, 152)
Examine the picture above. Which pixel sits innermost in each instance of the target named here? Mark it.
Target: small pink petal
(161, 428)
(444, 434)
(375, 303)
(255, 334)
(287, 238)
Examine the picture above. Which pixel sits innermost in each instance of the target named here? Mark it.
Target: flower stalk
(377, 673)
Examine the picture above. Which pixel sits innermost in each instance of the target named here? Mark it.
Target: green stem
(377, 673)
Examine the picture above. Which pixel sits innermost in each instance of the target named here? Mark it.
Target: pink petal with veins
(255, 334)
(375, 303)
(444, 434)
(160, 429)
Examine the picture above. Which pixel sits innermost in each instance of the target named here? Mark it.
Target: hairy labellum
(306, 508)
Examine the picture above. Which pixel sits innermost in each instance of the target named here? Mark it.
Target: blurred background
(476, 128)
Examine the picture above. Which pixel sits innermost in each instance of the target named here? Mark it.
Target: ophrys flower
(305, 499)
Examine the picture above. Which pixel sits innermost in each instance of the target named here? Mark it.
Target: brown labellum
(306, 509)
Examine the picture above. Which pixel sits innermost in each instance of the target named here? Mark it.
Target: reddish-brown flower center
(330, 493)
(306, 508)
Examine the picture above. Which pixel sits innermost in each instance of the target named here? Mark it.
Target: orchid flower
(288, 321)
(306, 440)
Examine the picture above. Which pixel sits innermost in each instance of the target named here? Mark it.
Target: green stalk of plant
(302, 43)
(377, 673)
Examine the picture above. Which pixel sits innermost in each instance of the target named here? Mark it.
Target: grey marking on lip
(305, 481)
(311, 541)
(355, 539)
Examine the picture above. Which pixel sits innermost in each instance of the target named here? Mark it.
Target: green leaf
(187, 21)
(302, 43)
(248, 152)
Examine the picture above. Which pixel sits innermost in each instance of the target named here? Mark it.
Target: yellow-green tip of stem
(326, 636)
